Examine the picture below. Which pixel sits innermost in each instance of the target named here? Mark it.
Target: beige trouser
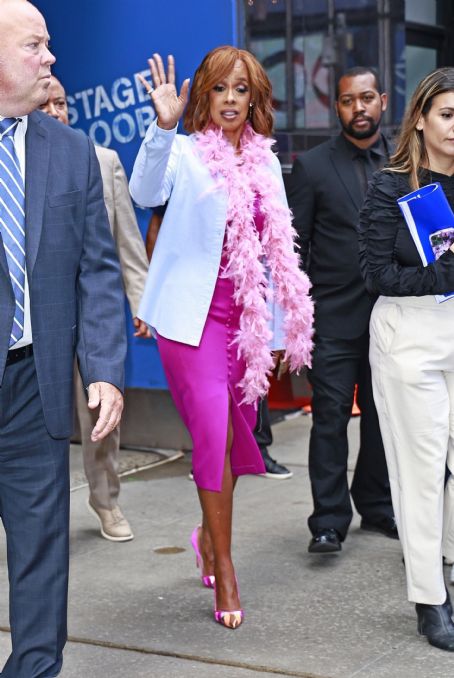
(101, 458)
(412, 360)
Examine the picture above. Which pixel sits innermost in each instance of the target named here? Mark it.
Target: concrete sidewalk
(138, 610)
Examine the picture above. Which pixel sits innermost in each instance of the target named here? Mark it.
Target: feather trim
(247, 175)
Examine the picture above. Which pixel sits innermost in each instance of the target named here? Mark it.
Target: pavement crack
(109, 645)
(365, 667)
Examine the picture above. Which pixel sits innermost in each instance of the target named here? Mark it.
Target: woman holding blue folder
(412, 346)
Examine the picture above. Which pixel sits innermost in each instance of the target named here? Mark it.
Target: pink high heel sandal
(231, 619)
(207, 580)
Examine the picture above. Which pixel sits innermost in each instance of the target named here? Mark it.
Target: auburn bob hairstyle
(411, 153)
(214, 68)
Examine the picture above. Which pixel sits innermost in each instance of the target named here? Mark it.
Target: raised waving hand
(168, 104)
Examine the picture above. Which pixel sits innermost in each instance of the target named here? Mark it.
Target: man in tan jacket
(101, 458)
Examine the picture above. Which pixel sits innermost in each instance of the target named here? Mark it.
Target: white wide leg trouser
(412, 361)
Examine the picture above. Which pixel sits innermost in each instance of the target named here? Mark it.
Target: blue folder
(430, 220)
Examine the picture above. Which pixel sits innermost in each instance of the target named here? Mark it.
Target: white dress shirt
(19, 145)
(185, 263)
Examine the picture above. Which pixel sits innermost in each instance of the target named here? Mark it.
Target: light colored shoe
(114, 525)
(231, 619)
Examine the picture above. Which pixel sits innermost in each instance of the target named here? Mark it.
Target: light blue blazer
(185, 263)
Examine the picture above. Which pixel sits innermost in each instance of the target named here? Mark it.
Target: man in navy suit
(63, 295)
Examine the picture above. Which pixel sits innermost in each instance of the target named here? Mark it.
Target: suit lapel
(344, 167)
(37, 151)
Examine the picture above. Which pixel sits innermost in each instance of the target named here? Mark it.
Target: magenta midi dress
(201, 378)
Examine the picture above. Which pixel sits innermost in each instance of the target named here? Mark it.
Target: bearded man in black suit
(326, 191)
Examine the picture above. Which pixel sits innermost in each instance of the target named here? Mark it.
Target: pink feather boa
(247, 175)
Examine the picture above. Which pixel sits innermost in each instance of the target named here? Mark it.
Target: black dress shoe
(434, 622)
(386, 525)
(325, 541)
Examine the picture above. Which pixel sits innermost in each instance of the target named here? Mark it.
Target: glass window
(421, 11)
(311, 82)
(310, 72)
(272, 55)
(420, 61)
(356, 4)
(398, 98)
(325, 48)
(304, 44)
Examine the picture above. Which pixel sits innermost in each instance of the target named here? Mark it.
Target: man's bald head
(25, 60)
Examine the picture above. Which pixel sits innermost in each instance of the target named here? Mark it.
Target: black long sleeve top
(389, 260)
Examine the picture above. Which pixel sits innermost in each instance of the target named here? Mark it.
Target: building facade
(304, 44)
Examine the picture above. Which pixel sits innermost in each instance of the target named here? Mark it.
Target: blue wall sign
(101, 48)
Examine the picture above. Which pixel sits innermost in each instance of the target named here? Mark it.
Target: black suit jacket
(325, 196)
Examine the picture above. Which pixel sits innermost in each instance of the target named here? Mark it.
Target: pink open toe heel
(207, 580)
(231, 619)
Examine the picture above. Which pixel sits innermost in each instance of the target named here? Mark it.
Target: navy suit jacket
(76, 295)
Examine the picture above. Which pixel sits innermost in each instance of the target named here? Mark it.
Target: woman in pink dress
(224, 293)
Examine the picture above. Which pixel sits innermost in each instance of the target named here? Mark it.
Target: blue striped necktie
(12, 220)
